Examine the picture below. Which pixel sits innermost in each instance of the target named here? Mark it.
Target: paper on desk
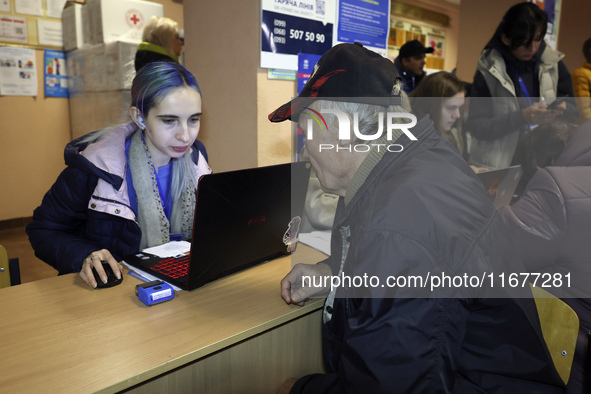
(170, 249)
(148, 276)
(319, 240)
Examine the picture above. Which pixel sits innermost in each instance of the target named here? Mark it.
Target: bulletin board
(402, 32)
(35, 24)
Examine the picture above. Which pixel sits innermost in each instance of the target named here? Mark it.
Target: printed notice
(289, 27)
(13, 29)
(5, 5)
(55, 7)
(54, 74)
(50, 33)
(366, 22)
(18, 75)
(29, 7)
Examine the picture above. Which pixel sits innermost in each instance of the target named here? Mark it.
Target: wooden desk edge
(294, 314)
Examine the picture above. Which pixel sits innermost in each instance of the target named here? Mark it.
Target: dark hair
(521, 24)
(437, 87)
(541, 147)
(155, 81)
(587, 50)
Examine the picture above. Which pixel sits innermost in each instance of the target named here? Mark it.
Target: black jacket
(410, 80)
(551, 224)
(143, 57)
(75, 218)
(419, 211)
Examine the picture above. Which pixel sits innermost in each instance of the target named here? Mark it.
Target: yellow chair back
(4, 268)
(560, 327)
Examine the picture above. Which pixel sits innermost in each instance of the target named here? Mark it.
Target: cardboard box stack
(101, 38)
(72, 26)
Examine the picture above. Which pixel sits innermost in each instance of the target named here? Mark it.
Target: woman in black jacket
(162, 41)
(128, 187)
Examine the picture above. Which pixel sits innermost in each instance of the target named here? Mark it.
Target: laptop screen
(501, 184)
(241, 218)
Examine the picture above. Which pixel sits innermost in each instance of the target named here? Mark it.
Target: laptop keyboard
(173, 267)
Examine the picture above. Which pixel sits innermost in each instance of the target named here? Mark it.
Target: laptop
(241, 218)
(501, 184)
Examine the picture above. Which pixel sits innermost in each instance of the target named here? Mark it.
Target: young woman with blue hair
(127, 187)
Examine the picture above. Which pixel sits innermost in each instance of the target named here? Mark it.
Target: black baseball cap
(346, 72)
(414, 48)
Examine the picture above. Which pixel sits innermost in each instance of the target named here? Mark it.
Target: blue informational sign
(290, 35)
(306, 63)
(55, 77)
(364, 22)
(549, 6)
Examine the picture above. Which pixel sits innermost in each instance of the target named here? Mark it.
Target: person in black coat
(162, 41)
(410, 208)
(128, 187)
(550, 222)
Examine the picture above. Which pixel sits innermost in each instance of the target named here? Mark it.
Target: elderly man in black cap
(411, 62)
(410, 209)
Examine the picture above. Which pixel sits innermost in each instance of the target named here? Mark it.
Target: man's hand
(292, 290)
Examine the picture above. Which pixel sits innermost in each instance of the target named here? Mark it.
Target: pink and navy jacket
(88, 207)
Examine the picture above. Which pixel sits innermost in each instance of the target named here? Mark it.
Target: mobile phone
(556, 103)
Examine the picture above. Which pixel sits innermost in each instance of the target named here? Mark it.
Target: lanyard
(524, 90)
(522, 85)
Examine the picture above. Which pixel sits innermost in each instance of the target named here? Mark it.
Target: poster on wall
(306, 63)
(30, 7)
(54, 8)
(13, 29)
(4, 5)
(402, 31)
(50, 33)
(18, 75)
(364, 21)
(54, 74)
(552, 8)
(289, 27)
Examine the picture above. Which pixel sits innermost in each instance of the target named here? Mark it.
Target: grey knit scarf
(152, 220)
